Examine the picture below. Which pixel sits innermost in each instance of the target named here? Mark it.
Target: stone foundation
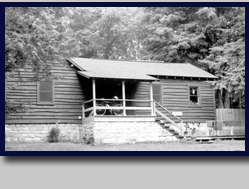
(98, 130)
(40, 132)
(116, 131)
(86, 132)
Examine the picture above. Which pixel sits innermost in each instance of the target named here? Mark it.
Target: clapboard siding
(175, 98)
(142, 93)
(71, 90)
(68, 96)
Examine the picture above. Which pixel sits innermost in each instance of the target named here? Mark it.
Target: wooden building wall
(71, 91)
(142, 93)
(68, 97)
(176, 98)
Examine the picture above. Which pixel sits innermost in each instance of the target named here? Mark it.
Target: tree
(32, 38)
(212, 38)
(108, 32)
(175, 35)
(226, 59)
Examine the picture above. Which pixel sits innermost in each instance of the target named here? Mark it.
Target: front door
(157, 92)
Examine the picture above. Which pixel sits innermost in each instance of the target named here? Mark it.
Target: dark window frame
(198, 96)
(38, 95)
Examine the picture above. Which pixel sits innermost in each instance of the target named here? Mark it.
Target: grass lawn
(218, 145)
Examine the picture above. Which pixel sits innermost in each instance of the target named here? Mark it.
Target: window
(45, 92)
(194, 96)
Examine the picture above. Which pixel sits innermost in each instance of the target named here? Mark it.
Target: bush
(88, 140)
(54, 135)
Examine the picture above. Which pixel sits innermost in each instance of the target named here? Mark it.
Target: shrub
(54, 135)
(88, 140)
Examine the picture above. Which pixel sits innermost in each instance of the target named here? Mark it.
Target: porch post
(151, 99)
(83, 110)
(94, 97)
(123, 97)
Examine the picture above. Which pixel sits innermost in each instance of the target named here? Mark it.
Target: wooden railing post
(181, 124)
(151, 98)
(154, 108)
(94, 97)
(123, 97)
(83, 110)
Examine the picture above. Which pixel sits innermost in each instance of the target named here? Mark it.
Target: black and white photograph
(125, 78)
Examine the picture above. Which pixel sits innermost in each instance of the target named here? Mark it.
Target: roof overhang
(135, 76)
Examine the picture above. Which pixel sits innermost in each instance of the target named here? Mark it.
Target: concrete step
(180, 137)
(176, 133)
(166, 126)
(171, 128)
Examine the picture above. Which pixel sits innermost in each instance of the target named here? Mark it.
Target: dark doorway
(107, 89)
(157, 92)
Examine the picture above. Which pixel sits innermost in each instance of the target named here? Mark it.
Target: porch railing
(169, 112)
(179, 126)
(127, 106)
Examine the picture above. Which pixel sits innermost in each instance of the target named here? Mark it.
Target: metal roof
(116, 69)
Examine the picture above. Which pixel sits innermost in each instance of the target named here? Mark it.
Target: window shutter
(45, 90)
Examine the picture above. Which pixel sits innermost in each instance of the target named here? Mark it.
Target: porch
(125, 119)
(120, 105)
(118, 108)
(129, 111)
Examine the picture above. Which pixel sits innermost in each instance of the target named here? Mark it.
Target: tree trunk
(220, 99)
(227, 99)
(108, 48)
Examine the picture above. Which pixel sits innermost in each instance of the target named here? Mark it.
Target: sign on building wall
(177, 113)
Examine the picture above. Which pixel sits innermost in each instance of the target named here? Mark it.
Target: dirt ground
(218, 145)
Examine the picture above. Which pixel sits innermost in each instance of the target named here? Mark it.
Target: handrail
(164, 116)
(99, 99)
(121, 107)
(168, 111)
(88, 109)
(171, 121)
(88, 101)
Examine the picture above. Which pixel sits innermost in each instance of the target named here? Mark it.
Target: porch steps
(168, 115)
(169, 127)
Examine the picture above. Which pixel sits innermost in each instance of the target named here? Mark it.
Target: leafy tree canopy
(212, 38)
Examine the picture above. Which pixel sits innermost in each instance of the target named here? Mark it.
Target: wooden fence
(230, 114)
(231, 122)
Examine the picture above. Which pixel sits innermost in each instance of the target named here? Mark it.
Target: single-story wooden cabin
(111, 101)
